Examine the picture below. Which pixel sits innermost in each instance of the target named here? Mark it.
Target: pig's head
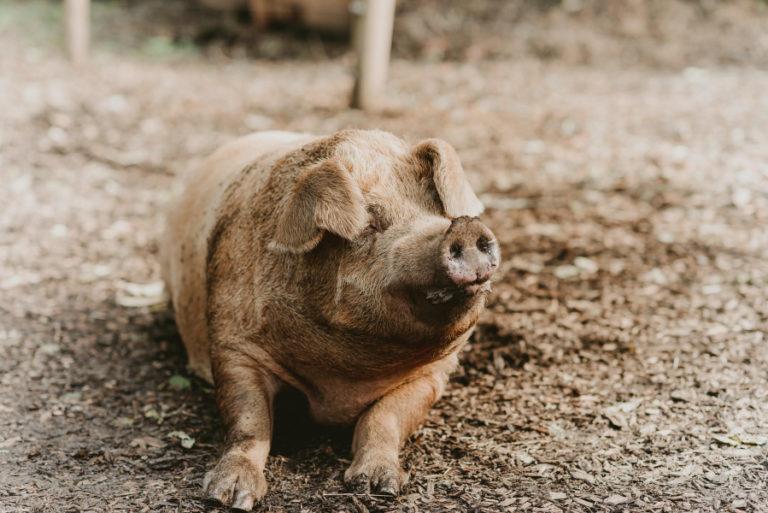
(391, 235)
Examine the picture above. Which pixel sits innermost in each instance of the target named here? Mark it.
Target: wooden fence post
(77, 14)
(372, 39)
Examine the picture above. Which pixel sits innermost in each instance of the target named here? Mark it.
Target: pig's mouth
(432, 304)
(439, 296)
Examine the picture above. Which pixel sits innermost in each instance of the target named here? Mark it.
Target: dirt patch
(620, 365)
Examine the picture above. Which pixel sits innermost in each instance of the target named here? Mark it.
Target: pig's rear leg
(244, 396)
(385, 425)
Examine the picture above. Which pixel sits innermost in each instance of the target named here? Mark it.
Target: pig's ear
(452, 186)
(325, 197)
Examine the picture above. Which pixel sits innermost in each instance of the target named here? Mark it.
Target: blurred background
(620, 147)
(661, 33)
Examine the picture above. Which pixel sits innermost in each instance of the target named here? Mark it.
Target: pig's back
(192, 218)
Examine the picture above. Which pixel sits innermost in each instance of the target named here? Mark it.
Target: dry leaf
(143, 442)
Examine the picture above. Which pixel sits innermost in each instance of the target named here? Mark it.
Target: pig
(351, 267)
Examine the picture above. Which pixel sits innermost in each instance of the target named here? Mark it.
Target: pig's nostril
(456, 250)
(483, 244)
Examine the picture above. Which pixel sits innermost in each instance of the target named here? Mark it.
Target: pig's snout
(470, 253)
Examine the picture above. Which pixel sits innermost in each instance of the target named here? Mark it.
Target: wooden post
(259, 12)
(78, 29)
(372, 39)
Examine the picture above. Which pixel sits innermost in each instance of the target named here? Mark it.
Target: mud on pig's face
(394, 232)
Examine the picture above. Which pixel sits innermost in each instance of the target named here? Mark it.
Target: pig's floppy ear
(452, 186)
(325, 197)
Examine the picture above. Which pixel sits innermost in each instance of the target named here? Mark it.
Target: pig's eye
(374, 226)
(376, 223)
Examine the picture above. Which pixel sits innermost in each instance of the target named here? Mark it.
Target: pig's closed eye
(369, 230)
(376, 220)
(375, 226)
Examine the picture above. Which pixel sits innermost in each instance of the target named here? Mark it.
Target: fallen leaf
(750, 439)
(628, 406)
(178, 382)
(616, 418)
(557, 432)
(716, 478)
(725, 440)
(136, 302)
(583, 476)
(72, 397)
(50, 348)
(525, 459)
(615, 500)
(683, 395)
(136, 295)
(124, 421)
(153, 414)
(586, 264)
(186, 441)
(735, 440)
(566, 271)
(147, 441)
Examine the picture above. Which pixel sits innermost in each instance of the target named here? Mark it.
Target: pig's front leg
(385, 425)
(244, 396)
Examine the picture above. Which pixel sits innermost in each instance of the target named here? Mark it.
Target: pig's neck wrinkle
(362, 355)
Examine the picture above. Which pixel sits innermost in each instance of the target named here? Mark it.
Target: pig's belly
(331, 400)
(335, 400)
(341, 402)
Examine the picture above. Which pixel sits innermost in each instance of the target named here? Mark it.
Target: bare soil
(621, 365)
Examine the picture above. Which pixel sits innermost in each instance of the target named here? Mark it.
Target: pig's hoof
(235, 482)
(385, 479)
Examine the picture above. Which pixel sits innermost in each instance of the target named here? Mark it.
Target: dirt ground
(622, 363)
